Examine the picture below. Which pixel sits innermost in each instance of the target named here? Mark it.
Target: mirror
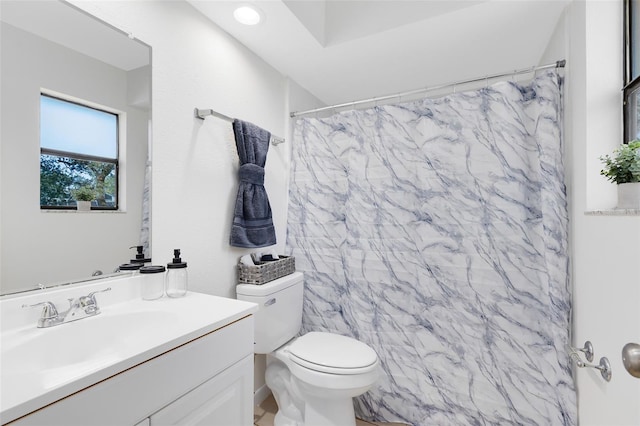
(55, 47)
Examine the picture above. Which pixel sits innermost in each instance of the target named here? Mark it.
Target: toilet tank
(279, 315)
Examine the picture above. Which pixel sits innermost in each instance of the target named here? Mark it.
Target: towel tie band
(251, 173)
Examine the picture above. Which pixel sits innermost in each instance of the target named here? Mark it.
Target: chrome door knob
(631, 358)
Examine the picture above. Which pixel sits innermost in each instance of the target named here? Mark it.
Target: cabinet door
(224, 400)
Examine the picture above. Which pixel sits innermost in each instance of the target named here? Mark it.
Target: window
(78, 149)
(632, 71)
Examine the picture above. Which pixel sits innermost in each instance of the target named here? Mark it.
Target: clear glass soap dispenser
(176, 276)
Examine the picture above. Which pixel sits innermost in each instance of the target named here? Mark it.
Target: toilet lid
(332, 353)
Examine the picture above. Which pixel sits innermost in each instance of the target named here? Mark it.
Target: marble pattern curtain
(436, 232)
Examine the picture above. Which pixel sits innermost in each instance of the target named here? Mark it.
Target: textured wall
(194, 177)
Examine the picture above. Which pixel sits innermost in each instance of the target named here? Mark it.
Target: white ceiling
(63, 24)
(347, 50)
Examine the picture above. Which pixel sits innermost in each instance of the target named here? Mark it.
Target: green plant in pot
(83, 196)
(623, 169)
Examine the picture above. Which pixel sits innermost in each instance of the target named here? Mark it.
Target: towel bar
(202, 113)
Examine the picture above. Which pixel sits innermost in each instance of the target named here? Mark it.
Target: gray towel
(252, 223)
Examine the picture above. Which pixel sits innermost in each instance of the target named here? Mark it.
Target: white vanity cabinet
(208, 380)
(220, 401)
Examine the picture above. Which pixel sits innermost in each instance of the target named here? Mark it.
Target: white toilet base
(303, 404)
(329, 412)
(290, 405)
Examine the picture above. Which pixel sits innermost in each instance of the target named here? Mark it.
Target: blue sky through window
(69, 127)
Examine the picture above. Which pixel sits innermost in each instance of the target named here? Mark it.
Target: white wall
(51, 246)
(606, 249)
(195, 64)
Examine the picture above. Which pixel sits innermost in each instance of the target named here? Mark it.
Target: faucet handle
(49, 310)
(89, 301)
(98, 291)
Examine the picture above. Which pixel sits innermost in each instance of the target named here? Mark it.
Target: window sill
(81, 212)
(613, 212)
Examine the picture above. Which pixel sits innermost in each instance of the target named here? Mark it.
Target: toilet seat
(332, 353)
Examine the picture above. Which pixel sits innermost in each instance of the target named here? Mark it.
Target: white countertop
(75, 355)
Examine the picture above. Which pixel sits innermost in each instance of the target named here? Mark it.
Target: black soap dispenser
(176, 285)
(140, 255)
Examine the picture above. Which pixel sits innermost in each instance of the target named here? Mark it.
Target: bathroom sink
(62, 353)
(40, 366)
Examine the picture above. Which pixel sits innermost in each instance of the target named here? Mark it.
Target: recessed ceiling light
(247, 15)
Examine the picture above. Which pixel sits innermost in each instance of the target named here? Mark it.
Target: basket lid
(270, 287)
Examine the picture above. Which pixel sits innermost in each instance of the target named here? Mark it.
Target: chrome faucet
(82, 307)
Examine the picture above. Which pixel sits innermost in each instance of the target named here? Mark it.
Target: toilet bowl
(313, 377)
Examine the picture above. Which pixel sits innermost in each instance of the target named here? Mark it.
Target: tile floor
(264, 413)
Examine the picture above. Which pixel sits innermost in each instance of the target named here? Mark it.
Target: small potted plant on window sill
(84, 195)
(623, 169)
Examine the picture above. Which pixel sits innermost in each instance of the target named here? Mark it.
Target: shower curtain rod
(557, 64)
(202, 113)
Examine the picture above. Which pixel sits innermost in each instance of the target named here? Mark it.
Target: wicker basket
(264, 272)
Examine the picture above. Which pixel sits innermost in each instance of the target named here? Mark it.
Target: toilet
(313, 377)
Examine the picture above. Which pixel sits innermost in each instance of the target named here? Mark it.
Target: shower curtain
(435, 231)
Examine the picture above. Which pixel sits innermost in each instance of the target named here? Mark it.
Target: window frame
(630, 86)
(85, 157)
